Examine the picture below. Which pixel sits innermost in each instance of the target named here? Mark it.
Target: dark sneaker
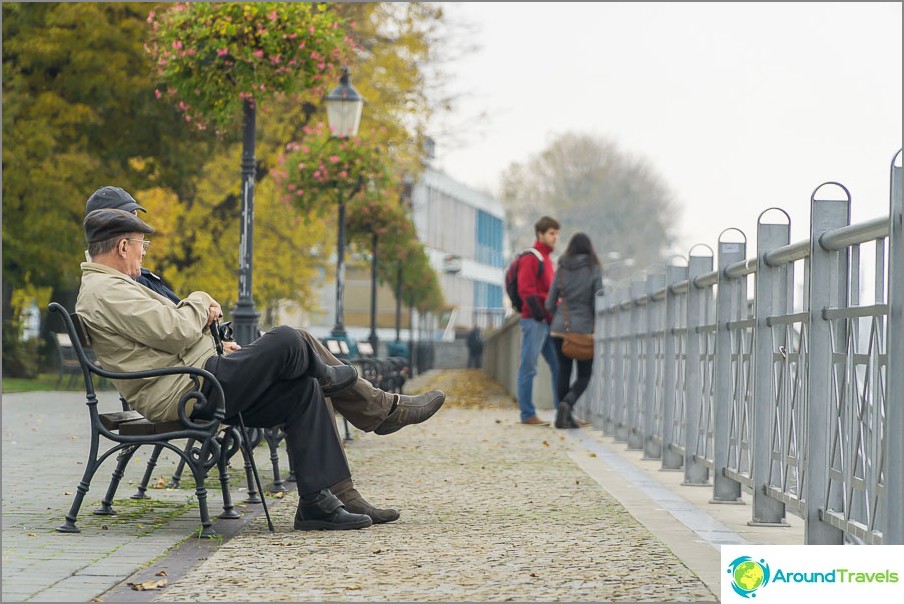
(411, 410)
(562, 414)
(327, 513)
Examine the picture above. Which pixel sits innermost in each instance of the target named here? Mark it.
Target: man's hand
(230, 347)
(214, 313)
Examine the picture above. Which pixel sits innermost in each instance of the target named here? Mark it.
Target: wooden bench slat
(112, 421)
(143, 426)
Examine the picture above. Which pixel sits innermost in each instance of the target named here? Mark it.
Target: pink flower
(291, 186)
(177, 45)
(334, 159)
(343, 174)
(273, 16)
(187, 118)
(300, 46)
(157, 93)
(305, 149)
(258, 53)
(301, 166)
(223, 51)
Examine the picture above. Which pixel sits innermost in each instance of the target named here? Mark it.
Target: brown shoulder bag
(577, 346)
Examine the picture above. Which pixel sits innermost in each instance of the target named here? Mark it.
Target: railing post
(635, 388)
(619, 400)
(599, 359)
(828, 289)
(695, 472)
(651, 448)
(671, 460)
(613, 365)
(893, 532)
(725, 490)
(769, 288)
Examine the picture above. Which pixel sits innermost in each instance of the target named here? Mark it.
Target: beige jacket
(133, 329)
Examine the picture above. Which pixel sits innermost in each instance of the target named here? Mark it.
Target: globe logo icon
(748, 575)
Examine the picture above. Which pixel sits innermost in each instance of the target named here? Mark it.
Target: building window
(489, 240)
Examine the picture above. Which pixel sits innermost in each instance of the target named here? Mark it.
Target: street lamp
(244, 315)
(343, 112)
(374, 341)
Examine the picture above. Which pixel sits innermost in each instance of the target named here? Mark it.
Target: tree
(78, 113)
(588, 185)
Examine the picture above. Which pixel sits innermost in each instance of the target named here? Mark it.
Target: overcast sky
(737, 106)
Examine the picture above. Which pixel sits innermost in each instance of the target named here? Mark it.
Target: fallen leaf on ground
(162, 573)
(148, 585)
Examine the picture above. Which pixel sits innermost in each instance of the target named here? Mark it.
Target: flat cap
(112, 197)
(107, 223)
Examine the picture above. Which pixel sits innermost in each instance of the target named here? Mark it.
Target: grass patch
(47, 382)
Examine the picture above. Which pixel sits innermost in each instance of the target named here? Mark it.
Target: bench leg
(291, 476)
(148, 474)
(253, 495)
(177, 475)
(90, 468)
(206, 531)
(273, 437)
(229, 511)
(122, 460)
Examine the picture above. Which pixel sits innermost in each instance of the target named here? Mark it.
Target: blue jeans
(534, 341)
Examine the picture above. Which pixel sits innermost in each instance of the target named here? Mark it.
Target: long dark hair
(580, 244)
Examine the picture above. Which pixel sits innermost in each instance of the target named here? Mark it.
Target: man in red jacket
(532, 289)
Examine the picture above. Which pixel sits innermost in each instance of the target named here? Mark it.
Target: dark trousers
(474, 360)
(268, 383)
(569, 392)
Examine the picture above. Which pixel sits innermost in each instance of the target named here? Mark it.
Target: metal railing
(780, 374)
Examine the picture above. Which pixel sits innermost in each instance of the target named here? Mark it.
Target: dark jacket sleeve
(155, 284)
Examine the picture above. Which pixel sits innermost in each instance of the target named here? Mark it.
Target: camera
(227, 334)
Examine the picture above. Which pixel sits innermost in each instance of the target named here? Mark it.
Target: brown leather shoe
(533, 420)
(356, 504)
(411, 410)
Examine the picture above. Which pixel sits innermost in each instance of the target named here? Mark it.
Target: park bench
(211, 443)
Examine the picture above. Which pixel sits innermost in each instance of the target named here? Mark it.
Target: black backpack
(511, 277)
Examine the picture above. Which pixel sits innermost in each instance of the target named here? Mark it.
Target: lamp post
(244, 315)
(398, 303)
(343, 111)
(374, 341)
(407, 188)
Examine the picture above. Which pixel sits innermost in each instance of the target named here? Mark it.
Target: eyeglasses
(144, 244)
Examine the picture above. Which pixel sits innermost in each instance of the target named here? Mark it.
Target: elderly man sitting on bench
(368, 408)
(277, 380)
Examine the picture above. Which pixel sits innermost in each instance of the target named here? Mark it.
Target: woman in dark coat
(578, 278)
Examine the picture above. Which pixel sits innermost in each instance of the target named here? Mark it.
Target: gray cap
(112, 197)
(107, 223)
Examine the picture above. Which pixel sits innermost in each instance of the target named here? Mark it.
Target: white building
(464, 232)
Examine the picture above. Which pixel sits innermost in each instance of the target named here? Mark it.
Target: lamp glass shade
(344, 115)
(343, 107)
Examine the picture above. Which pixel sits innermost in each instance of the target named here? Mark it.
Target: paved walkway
(491, 510)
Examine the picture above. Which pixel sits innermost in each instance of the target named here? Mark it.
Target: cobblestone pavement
(491, 511)
(45, 445)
